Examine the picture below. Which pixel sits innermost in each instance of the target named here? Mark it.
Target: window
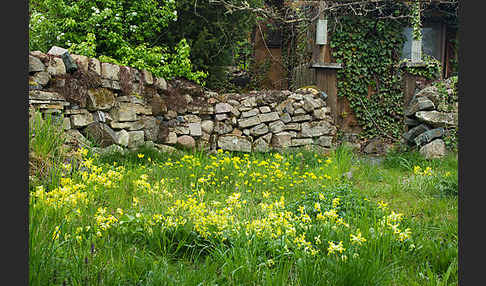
(432, 42)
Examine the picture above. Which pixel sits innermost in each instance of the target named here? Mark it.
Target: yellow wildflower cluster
(358, 238)
(392, 221)
(333, 248)
(221, 197)
(67, 195)
(104, 221)
(417, 170)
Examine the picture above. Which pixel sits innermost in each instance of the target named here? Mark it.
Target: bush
(125, 31)
(213, 33)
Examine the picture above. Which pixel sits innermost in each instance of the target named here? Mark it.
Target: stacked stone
(129, 108)
(428, 121)
(108, 116)
(262, 121)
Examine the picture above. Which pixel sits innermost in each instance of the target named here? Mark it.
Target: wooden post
(326, 72)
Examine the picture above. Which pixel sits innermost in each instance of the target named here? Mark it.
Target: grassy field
(290, 218)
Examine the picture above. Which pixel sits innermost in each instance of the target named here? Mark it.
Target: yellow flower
(357, 238)
(417, 170)
(336, 202)
(140, 155)
(55, 234)
(335, 247)
(382, 205)
(135, 201)
(405, 234)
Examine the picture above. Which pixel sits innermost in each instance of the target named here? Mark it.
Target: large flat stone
(110, 71)
(81, 61)
(324, 141)
(101, 134)
(56, 51)
(315, 129)
(434, 149)
(76, 138)
(36, 65)
(234, 143)
(195, 129)
(414, 132)
(56, 67)
(123, 111)
(437, 119)
(95, 66)
(222, 128)
(259, 129)
(419, 104)
(223, 107)
(260, 145)
(310, 103)
(122, 138)
(160, 83)
(296, 142)
(81, 120)
(100, 99)
(267, 117)
(281, 140)
(428, 136)
(250, 113)
(301, 118)
(207, 126)
(277, 126)
(150, 127)
(41, 78)
(45, 95)
(135, 139)
(248, 122)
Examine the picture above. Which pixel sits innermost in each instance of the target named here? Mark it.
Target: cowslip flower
(357, 239)
(335, 247)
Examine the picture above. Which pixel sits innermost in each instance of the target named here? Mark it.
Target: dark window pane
(430, 42)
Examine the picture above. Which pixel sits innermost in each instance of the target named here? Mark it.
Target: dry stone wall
(123, 106)
(429, 118)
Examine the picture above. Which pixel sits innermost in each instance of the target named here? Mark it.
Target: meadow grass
(290, 218)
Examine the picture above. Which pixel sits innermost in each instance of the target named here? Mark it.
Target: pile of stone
(128, 107)
(429, 118)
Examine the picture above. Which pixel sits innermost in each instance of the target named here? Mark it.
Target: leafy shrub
(125, 32)
(214, 34)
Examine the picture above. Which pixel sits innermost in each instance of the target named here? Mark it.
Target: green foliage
(416, 21)
(432, 69)
(45, 135)
(448, 99)
(369, 50)
(213, 32)
(123, 32)
(46, 139)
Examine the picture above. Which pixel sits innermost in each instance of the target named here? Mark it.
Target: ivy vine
(416, 21)
(370, 50)
(431, 68)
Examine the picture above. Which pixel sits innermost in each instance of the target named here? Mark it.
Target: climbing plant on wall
(370, 50)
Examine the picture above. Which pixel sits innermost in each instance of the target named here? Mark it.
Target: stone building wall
(113, 104)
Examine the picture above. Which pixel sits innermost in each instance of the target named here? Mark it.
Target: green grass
(224, 221)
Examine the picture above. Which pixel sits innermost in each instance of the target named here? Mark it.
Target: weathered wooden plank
(327, 82)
